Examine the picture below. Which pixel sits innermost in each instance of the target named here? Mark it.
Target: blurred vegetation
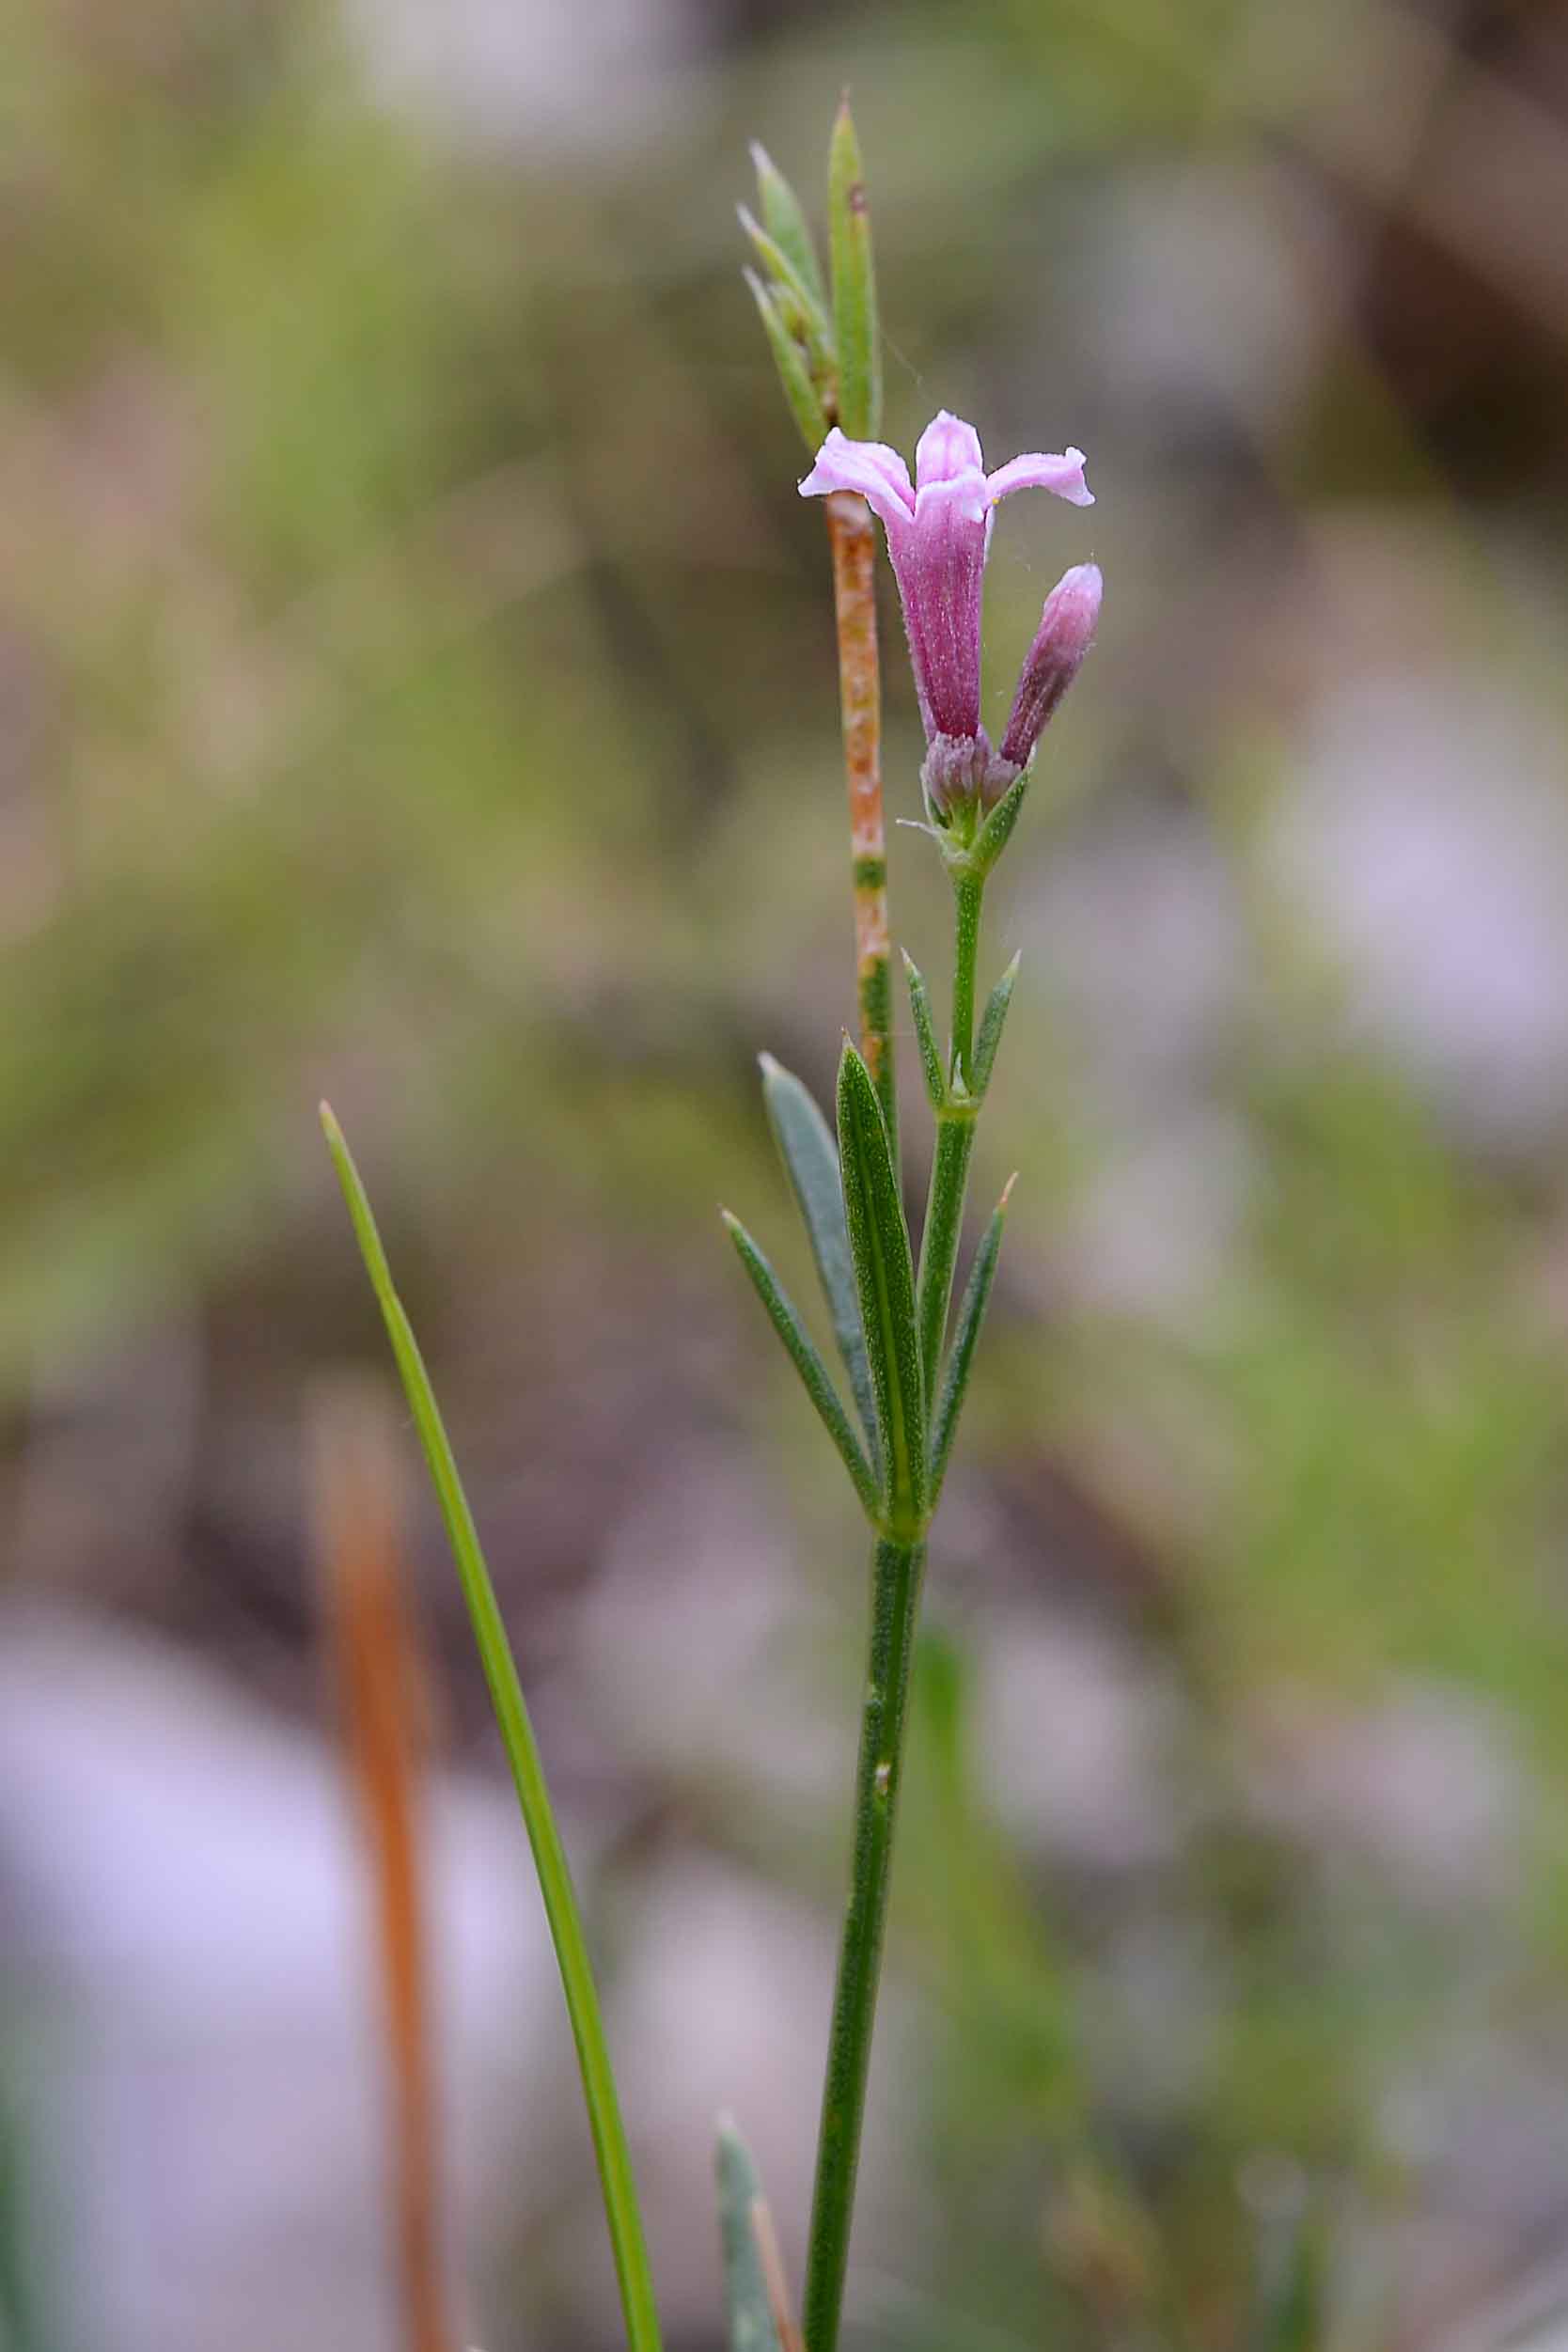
(416, 684)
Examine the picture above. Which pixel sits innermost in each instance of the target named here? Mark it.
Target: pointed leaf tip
(787, 226)
(1007, 1194)
(802, 1353)
(925, 1034)
(857, 335)
(961, 1355)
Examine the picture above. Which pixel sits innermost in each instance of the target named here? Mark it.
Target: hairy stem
(896, 1570)
(853, 539)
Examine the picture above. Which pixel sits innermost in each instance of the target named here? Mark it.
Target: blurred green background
(416, 687)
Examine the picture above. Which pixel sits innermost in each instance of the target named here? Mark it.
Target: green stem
(949, 1182)
(968, 896)
(895, 1602)
(617, 2184)
(956, 1140)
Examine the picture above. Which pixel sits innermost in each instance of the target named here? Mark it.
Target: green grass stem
(621, 2210)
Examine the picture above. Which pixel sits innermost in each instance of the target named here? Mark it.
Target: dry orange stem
(852, 538)
(357, 1497)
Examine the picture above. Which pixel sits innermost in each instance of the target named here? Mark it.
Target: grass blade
(812, 1370)
(885, 1275)
(811, 1160)
(971, 1314)
(621, 2210)
(854, 315)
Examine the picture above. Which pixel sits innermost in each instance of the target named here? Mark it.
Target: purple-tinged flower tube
(1066, 632)
(938, 534)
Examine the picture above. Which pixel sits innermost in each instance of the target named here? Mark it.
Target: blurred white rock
(1076, 1733)
(1427, 836)
(554, 76)
(184, 1940)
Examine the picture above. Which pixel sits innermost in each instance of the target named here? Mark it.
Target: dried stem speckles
(852, 538)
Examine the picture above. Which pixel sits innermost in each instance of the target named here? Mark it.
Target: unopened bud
(1065, 634)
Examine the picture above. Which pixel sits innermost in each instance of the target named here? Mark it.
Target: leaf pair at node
(950, 1095)
(896, 1448)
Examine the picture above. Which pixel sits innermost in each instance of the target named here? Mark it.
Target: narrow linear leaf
(855, 333)
(925, 1032)
(885, 1275)
(939, 1238)
(971, 1314)
(785, 222)
(793, 374)
(801, 311)
(616, 2183)
(811, 1160)
(992, 1022)
(748, 2300)
(802, 1355)
(996, 833)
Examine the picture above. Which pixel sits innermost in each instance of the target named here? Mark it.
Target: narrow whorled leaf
(618, 2186)
(856, 332)
(885, 1275)
(793, 374)
(996, 833)
(802, 1355)
(992, 1022)
(925, 1032)
(803, 312)
(786, 223)
(971, 1314)
(752, 2326)
(939, 1239)
(811, 1162)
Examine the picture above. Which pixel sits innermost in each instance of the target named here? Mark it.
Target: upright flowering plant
(906, 1371)
(891, 1313)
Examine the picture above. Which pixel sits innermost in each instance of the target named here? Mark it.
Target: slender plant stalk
(896, 1570)
(968, 898)
(955, 1141)
(617, 2182)
(853, 539)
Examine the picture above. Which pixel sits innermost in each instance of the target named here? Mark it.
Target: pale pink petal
(877, 472)
(946, 446)
(939, 564)
(1063, 475)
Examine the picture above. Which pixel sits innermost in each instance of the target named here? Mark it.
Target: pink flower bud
(1065, 634)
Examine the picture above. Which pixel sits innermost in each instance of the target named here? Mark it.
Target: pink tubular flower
(939, 533)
